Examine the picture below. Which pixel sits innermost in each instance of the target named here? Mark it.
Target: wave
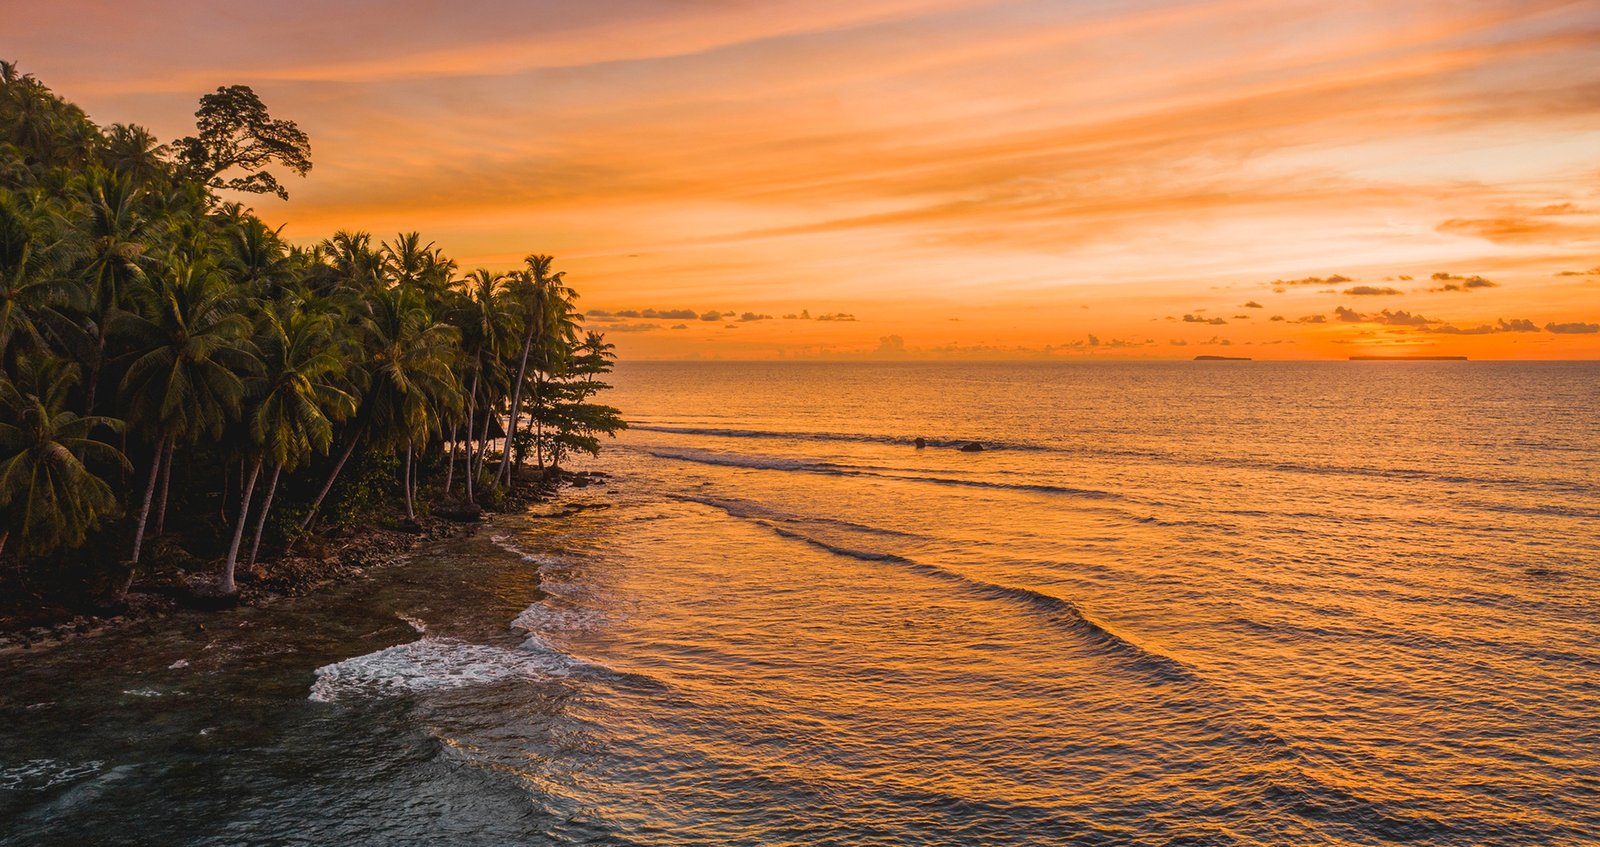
(775, 463)
(1158, 456)
(745, 509)
(1060, 611)
(542, 617)
(859, 438)
(39, 774)
(565, 615)
(429, 664)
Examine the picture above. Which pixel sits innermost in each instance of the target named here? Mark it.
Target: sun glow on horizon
(953, 179)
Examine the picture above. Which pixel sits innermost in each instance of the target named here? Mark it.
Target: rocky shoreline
(320, 562)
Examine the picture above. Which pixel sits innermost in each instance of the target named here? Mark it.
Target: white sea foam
(504, 543)
(542, 617)
(39, 774)
(429, 664)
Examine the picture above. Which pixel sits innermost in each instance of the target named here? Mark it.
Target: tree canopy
(160, 344)
(235, 131)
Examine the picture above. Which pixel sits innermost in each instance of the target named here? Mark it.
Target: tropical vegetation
(172, 368)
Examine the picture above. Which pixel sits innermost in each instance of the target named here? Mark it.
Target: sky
(937, 179)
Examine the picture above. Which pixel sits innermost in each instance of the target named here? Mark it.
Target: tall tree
(295, 409)
(412, 379)
(545, 309)
(235, 130)
(185, 380)
(489, 333)
(116, 260)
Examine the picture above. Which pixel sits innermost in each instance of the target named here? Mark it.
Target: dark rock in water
(972, 447)
(920, 442)
(207, 596)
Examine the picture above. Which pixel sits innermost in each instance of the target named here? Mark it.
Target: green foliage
(569, 423)
(366, 488)
(128, 287)
(49, 495)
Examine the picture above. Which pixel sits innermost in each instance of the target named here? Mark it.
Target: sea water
(1221, 603)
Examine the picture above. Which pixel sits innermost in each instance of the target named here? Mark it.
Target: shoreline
(337, 557)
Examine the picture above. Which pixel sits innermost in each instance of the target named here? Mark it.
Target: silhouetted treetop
(236, 131)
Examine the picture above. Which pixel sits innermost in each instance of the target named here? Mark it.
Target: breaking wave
(428, 664)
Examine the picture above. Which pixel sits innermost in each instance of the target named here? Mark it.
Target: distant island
(1222, 358)
(1408, 358)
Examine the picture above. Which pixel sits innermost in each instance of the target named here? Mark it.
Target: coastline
(330, 559)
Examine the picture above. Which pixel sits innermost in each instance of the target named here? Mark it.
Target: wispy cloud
(1372, 291)
(894, 157)
(1573, 328)
(1451, 282)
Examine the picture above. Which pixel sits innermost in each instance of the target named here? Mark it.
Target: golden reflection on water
(1272, 604)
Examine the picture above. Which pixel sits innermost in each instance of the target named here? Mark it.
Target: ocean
(1197, 603)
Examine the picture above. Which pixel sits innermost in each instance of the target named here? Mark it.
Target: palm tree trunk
(94, 382)
(261, 520)
(222, 502)
(538, 428)
(227, 585)
(472, 415)
(483, 441)
(410, 512)
(328, 486)
(516, 396)
(149, 494)
(94, 375)
(166, 477)
(450, 466)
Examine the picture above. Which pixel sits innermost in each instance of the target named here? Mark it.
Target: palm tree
(409, 263)
(256, 258)
(545, 309)
(413, 384)
(597, 353)
(30, 291)
(132, 150)
(113, 275)
(295, 412)
(489, 333)
(48, 497)
(184, 381)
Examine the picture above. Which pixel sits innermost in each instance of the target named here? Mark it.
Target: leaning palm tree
(411, 385)
(489, 333)
(295, 412)
(545, 308)
(185, 379)
(49, 498)
(414, 386)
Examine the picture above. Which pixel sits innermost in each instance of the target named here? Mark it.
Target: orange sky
(962, 178)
